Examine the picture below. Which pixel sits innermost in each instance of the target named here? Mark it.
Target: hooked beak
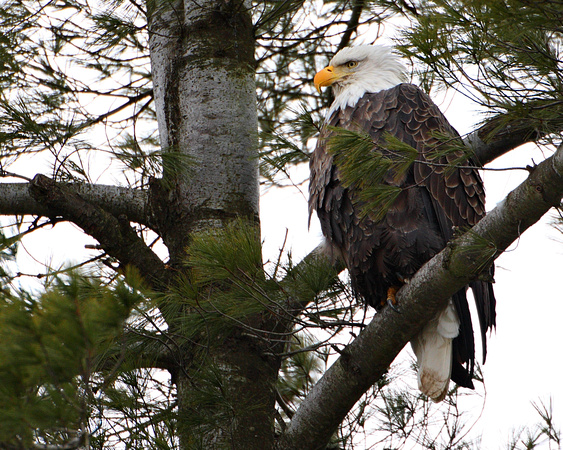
(326, 77)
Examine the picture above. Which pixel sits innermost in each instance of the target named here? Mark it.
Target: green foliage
(14, 23)
(224, 254)
(372, 171)
(301, 368)
(50, 349)
(74, 357)
(504, 55)
(224, 293)
(72, 367)
(139, 411)
(223, 283)
(313, 281)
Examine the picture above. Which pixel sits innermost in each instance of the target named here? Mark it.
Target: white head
(356, 70)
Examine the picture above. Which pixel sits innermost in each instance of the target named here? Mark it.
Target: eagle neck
(349, 94)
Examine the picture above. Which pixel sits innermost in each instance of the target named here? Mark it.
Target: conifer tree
(172, 332)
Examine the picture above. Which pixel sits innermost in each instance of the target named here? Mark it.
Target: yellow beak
(326, 77)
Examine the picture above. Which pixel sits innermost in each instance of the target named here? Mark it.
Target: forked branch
(115, 234)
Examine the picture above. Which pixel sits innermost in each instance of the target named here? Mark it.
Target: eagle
(383, 249)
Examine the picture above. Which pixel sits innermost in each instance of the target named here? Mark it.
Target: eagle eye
(351, 64)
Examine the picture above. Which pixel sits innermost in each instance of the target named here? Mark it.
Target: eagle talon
(393, 307)
(391, 299)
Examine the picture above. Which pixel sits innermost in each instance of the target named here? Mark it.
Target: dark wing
(434, 198)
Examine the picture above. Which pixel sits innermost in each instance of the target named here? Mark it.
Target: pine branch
(115, 235)
(368, 357)
(131, 101)
(303, 283)
(138, 349)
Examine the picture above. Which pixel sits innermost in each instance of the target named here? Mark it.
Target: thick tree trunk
(238, 409)
(202, 57)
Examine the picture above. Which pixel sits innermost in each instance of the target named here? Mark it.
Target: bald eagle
(383, 251)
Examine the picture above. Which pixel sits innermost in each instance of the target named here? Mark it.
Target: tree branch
(368, 357)
(115, 235)
(493, 140)
(144, 349)
(15, 199)
(352, 24)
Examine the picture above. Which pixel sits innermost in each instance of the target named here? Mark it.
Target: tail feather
(433, 350)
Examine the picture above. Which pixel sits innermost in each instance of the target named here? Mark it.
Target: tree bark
(368, 357)
(202, 58)
(15, 199)
(114, 234)
(492, 140)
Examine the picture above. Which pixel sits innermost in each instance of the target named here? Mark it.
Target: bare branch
(491, 141)
(352, 23)
(368, 357)
(15, 199)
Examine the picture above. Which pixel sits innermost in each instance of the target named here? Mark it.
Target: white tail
(433, 350)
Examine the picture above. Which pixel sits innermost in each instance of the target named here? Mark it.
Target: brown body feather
(434, 198)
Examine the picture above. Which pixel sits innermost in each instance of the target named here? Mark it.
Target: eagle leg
(391, 298)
